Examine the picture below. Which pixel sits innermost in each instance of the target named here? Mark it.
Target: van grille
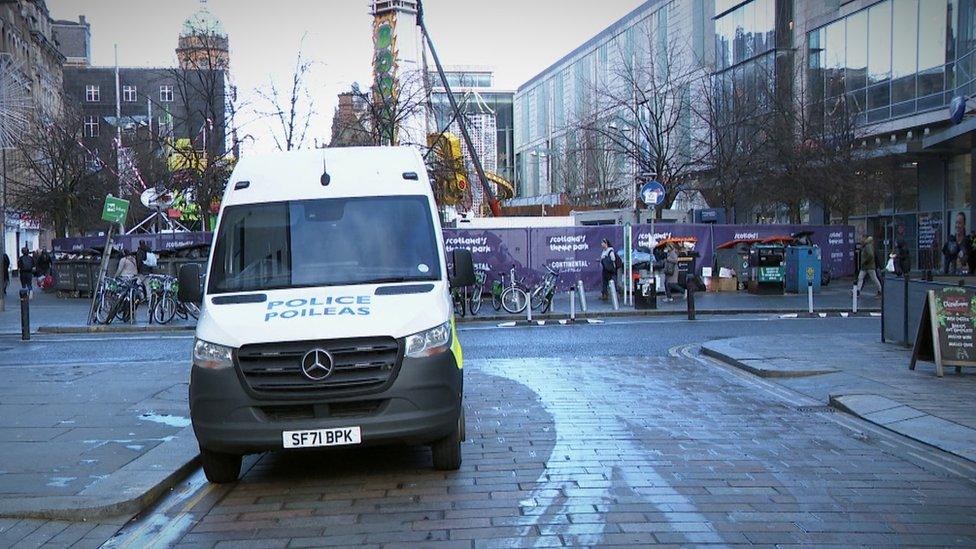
(359, 364)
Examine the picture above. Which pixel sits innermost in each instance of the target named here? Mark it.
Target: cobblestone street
(611, 451)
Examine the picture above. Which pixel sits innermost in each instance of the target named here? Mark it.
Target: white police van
(326, 312)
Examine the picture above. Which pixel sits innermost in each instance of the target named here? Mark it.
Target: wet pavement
(599, 451)
(582, 435)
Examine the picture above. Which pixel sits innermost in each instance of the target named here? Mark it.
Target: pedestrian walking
(671, 273)
(6, 271)
(25, 270)
(608, 264)
(868, 264)
(43, 264)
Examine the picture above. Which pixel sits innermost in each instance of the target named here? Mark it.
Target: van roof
(353, 171)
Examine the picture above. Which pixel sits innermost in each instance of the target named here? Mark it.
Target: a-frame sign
(947, 329)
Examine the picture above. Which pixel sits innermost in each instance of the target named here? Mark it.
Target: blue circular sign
(957, 109)
(652, 193)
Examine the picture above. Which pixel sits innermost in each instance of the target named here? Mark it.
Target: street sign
(652, 193)
(810, 273)
(115, 209)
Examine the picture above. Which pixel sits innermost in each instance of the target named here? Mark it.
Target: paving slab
(868, 379)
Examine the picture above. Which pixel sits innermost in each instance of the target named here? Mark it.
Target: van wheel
(220, 468)
(447, 451)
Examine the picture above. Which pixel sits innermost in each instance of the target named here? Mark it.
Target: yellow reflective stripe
(456, 346)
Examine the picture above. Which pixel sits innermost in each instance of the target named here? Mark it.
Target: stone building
(32, 65)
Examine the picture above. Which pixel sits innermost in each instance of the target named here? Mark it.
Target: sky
(517, 38)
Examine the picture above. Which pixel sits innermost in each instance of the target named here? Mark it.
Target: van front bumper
(422, 405)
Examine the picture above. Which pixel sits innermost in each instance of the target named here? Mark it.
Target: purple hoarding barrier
(161, 242)
(574, 252)
(494, 250)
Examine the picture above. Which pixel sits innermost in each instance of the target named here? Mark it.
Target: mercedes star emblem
(317, 364)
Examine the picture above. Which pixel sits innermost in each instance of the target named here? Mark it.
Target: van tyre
(447, 451)
(220, 468)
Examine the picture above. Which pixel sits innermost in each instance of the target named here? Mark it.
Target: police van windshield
(324, 242)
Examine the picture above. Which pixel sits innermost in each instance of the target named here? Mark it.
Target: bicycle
(497, 287)
(475, 299)
(514, 299)
(458, 299)
(541, 297)
(169, 307)
(124, 297)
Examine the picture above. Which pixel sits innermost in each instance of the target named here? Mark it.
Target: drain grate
(816, 409)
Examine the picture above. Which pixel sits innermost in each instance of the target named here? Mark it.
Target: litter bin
(645, 291)
(801, 261)
(766, 274)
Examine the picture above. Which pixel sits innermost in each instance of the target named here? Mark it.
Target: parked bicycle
(169, 306)
(477, 291)
(118, 298)
(459, 299)
(514, 298)
(541, 297)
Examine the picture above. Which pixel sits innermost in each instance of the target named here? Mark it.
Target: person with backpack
(25, 269)
(145, 259)
(609, 263)
(6, 271)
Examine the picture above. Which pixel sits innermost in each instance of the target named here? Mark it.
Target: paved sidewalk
(50, 314)
(85, 439)
(867, 378)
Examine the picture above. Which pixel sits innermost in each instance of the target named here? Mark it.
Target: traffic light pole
(496, 209)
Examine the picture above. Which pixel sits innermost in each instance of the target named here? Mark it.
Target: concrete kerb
(645, 313)
(127, 491)
(121, 328)
(142, 328)
(943, 434)
(758, 366)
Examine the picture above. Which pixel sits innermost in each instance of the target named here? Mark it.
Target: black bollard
(25, 315)
(691, 300)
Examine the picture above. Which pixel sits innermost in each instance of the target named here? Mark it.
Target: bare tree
(291, 114)
(202, 161)
(53, 179)
(591, 171)
(642, 108)
(732, 141)
(387, 118)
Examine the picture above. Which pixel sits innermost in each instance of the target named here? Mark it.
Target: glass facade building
(895, 65)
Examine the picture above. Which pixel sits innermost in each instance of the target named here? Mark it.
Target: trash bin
(645, 291)
(766, 274)
(64, 277)
(803, 263)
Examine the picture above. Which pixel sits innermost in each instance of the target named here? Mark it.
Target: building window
(92, 94)
(91, 126)
(166, 93)
(129, 94)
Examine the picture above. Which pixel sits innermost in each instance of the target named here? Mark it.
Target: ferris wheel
(15, 102)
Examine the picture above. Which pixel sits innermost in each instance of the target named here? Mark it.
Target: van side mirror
(189, 279)
(463, 269)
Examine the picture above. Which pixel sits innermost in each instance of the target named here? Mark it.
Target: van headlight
(211, 356)
(429, 342)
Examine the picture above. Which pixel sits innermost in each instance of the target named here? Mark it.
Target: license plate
(315, 438)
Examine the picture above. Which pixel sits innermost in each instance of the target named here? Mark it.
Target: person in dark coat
(903, 259)
(608, 265)
(141, 255)
(6, 271)
(25, 269)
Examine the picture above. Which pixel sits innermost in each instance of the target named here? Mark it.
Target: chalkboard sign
(947, 329)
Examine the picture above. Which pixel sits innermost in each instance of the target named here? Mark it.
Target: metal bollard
(613, 295)
(582, 295)
(528, 308)
(905, 278)
(25, 315)
(810, 297)
(854, 299)
(691, 301)
(572, 305)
